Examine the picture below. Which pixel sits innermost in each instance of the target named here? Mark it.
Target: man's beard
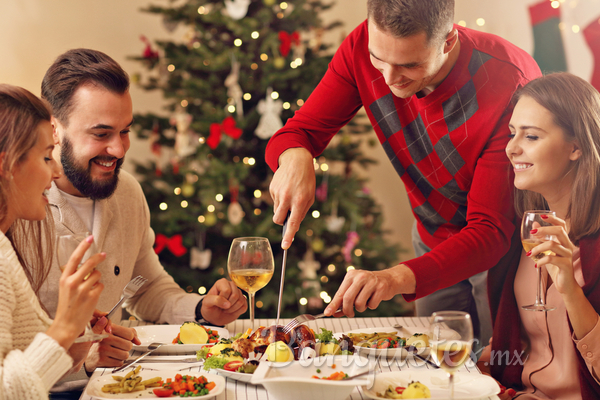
(81, 178)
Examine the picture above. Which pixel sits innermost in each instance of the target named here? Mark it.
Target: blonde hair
(575, 106)
(20, 116)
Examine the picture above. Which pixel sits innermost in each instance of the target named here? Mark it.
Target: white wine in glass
(65, 246)
(533, 220)
(250, 265)
(451, 341)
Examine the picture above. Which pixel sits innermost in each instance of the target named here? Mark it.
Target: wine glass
(65, 246)
(451, 341)
(532, 220)
(250, 266)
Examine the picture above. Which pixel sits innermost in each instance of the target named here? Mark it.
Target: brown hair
(575, 106)
(403, 18)
(20, 116)
(79, 67)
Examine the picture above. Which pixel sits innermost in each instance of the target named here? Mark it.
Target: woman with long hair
(35, 351)
(555, 152)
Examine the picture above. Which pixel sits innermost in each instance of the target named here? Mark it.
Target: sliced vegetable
(162, 392)
(186, 386)
(233, 365)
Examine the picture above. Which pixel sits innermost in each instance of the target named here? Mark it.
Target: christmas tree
(240, 71)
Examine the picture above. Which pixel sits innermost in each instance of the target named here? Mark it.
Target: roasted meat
(244, 346)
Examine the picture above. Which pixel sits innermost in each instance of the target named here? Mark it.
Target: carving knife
(282, 273)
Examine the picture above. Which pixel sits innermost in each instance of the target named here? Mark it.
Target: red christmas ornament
(352, 240)
(174, 244)
(287, 39)
(227, 127)
(321, 192)
(148, 54)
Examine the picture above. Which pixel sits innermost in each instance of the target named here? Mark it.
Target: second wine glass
(533, 220)
(250, 265)
(65, 246)
(451, 341)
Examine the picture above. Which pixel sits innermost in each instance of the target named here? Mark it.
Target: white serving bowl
(294, 381)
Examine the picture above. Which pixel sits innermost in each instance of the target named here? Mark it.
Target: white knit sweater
(30, 361)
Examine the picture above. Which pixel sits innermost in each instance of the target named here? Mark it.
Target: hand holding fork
(113, 350)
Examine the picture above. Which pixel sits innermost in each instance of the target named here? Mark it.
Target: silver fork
(300, 319)
(128, 291)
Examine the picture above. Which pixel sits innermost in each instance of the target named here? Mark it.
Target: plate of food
(179, 339)
(230, 362)
(432, 384)
(150, 384)
(387, 341)
(238, 357)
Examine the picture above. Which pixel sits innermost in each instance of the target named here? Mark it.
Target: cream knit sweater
(30, 361)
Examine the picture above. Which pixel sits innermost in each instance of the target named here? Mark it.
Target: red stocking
(548, 45)
(592, 37)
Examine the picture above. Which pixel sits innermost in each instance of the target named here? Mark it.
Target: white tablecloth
(240, 391)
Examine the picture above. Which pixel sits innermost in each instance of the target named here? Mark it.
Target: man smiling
(92, 116)
(438, 96)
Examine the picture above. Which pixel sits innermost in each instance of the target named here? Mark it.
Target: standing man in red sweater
(439, 98)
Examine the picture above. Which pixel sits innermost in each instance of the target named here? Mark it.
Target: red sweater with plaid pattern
(447, 147)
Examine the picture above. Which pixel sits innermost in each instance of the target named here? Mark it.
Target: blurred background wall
(34, 32)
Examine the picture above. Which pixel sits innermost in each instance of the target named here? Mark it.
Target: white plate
(165, 334)
(393, 352)
(94, 387)
(237, 376)
(466, 385)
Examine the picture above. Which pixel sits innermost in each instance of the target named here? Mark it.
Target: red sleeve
(487, 236)
(331, 105)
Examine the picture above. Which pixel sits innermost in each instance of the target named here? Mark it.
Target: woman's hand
(559, 264)
(79, 351)
(79, 290)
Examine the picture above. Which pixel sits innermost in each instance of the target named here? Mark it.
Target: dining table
(236, 390)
